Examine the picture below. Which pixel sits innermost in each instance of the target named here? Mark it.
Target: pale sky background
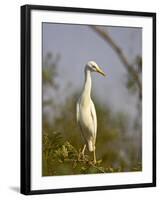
(78, 44)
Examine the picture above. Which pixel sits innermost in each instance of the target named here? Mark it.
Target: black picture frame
(26, 98)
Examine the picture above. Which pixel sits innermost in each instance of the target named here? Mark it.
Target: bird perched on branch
(86, 113)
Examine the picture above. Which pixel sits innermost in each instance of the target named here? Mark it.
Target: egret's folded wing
(78, 120)
(77, 112)
(94, 117)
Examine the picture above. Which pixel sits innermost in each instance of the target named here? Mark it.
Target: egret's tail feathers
(91, 146)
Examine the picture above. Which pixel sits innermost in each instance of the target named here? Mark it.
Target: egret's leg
(83, 150)
(94, 156)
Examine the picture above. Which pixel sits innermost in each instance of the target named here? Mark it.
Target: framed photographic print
(88, 99)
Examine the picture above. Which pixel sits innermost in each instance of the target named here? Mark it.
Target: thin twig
(93, 165)
(97, 167)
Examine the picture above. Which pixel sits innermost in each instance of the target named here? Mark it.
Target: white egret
(86, 113)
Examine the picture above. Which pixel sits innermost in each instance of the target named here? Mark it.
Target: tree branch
(130, 69)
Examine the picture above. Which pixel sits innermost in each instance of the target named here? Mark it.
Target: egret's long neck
(87, 84)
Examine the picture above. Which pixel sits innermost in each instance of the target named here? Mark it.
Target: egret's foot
(83, 156)
(79, 155)
(94, 162)
(83, 150)
(94, 157)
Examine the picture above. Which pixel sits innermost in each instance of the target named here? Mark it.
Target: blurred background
(117, 97)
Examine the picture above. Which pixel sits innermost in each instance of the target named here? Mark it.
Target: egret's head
(93, 67)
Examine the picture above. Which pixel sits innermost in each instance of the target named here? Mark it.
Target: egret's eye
(94, 67)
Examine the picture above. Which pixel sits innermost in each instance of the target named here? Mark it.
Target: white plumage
(86, 113)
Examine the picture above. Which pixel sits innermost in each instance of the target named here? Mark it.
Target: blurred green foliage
(117, 150)
(61, 158)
